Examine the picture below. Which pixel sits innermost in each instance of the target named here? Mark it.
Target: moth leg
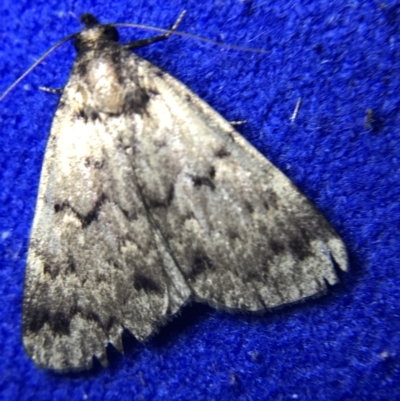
(145, 42)
(56, 91)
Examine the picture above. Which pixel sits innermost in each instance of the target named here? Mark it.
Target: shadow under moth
(148, 199)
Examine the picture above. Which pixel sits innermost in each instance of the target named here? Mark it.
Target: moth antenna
(192, 36)
(35, 64)
(131, 25)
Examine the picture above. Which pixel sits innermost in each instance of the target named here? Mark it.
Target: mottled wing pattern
(148, 197)
(96, 264)
(241, 233)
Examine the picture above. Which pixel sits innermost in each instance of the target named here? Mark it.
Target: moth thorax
(105, 86)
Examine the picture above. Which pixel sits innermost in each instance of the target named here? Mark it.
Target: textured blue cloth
(341, 58)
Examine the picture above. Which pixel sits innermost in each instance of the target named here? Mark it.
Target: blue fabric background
(342, 58)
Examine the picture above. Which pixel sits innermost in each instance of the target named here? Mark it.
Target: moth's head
(94, 33)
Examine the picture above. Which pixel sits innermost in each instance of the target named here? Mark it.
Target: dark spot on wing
(249, 207)
(34, 319)
(300, 245)
(233, 235)
(201, 262)
(81, 68)
(165, 202)
(74, 310)
(211, 172)
(185, 217)
(110, 323)
(116, 58)
(160, 144)
(46, 268)
(93, 316)
(252, 276)
(61, 104)
(189, 216)
(94, 115)
(92, 162)
(136, 101)
(270, 200)
(87, 219)
(52, 269)
(81, 113)
(297, 238)
(202, 181)
(159, 73)
(88, 114)
(52, 139)
(129, 214)
(199, 181)
(222, 153)
(231, 136)
(58, 207)
(71, 265)
(276, 246)
(59, 323)
(142, 282)
(153, 92)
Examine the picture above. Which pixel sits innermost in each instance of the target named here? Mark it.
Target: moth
(148, 199)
